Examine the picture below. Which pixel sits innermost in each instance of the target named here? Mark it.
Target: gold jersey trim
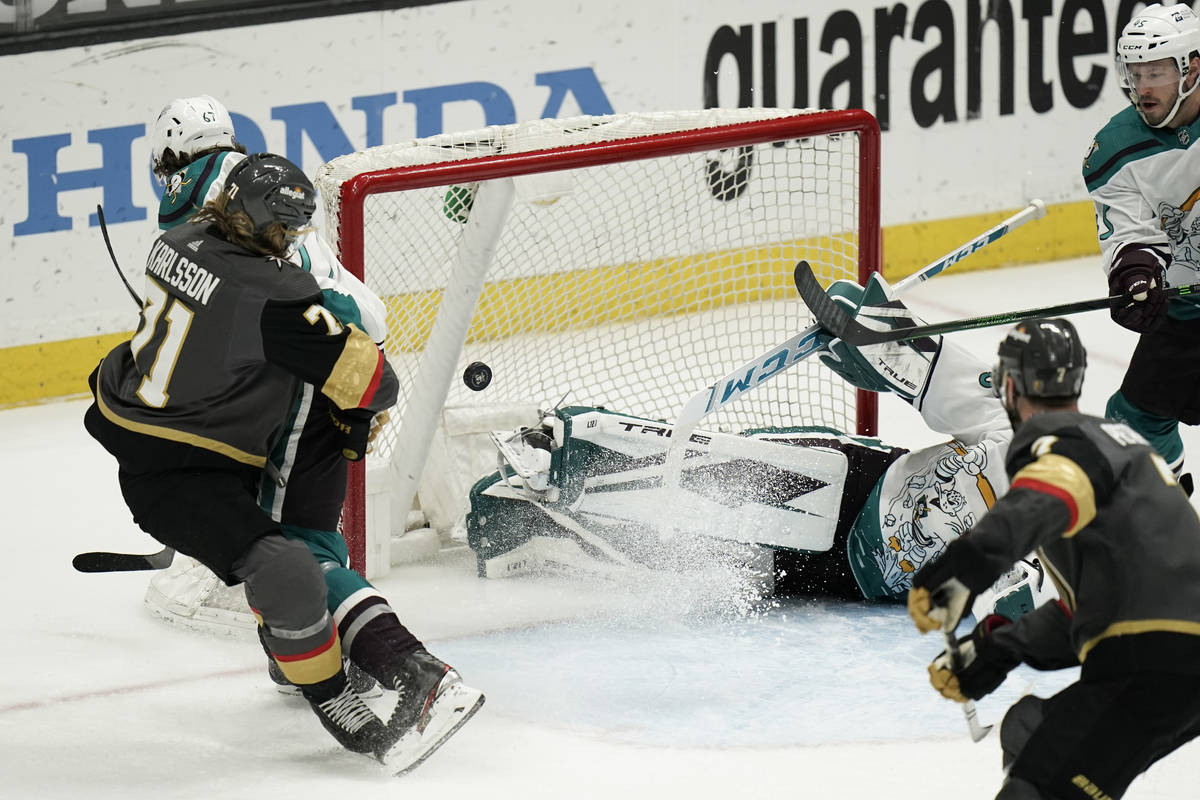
(1140, 626)
(1061, 477)
(354, 372)
(162, 432)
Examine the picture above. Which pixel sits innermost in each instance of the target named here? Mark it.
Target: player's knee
(327, 546)
(1018, 725)
(284, 583)
(1018, 789)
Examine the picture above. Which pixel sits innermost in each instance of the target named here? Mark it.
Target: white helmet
(189, 125)
(1156, 33)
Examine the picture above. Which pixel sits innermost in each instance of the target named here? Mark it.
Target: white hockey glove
(899, 367)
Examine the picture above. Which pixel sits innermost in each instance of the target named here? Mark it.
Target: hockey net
(624, 261)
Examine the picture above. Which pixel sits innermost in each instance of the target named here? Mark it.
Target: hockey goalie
(819, 512)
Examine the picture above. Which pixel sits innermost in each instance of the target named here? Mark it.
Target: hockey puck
(477, 376)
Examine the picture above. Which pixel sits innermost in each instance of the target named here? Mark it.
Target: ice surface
(597, 688)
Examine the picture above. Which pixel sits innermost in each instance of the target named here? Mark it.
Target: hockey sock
(373, 636)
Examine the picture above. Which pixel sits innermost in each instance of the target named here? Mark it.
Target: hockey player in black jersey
(191, 407)
(1122, 543)
(193, 151)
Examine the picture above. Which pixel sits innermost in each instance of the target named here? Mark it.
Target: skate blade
(450, 711)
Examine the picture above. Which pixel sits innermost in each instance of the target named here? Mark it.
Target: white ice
(596, 689)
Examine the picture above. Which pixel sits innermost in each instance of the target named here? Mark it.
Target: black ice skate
(353, 723)
(433, 704)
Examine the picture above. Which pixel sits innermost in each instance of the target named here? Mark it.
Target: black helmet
(1044, 357)
(268, 188)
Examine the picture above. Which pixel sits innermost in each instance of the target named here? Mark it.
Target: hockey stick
(977, 730)
(802, 345)
(113, 256)
(101, 561)
(838, 323)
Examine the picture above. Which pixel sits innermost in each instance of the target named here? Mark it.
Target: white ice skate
(434, 704)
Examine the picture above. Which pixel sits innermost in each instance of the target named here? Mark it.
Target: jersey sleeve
(342, 361)
(1125, 223)
(1052, 495)
(1041, 638)
(1112, 170)
(959, 399)
(342, 293)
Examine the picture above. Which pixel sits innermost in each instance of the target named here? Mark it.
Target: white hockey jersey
(1144, 183)
(932, 495)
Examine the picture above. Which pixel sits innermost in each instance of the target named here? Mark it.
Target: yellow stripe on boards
(1067, 231)
(601, 295)
(33, 373)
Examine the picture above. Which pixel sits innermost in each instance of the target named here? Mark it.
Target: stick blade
(978, 730)
(829, 313)
(101, 561)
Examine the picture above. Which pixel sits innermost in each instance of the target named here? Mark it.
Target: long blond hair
(236, 226)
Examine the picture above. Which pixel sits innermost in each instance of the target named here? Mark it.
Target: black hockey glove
(979, 666)
(354, 424)
(1139, 278)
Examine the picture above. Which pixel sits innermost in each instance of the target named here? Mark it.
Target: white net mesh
(630, 285)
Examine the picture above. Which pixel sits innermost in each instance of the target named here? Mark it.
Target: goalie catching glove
(978, 667)
(899, 367)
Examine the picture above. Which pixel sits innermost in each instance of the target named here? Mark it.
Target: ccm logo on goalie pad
(790, 353)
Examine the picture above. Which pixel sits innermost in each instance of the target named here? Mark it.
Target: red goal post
(624, 261)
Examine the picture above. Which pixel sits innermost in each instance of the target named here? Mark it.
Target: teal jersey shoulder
(1125, 139)
(341, 305)
(187, 188)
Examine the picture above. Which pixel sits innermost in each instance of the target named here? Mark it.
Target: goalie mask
(190, 125)
(1044, 358)
(1155, 50)
(268, 188)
